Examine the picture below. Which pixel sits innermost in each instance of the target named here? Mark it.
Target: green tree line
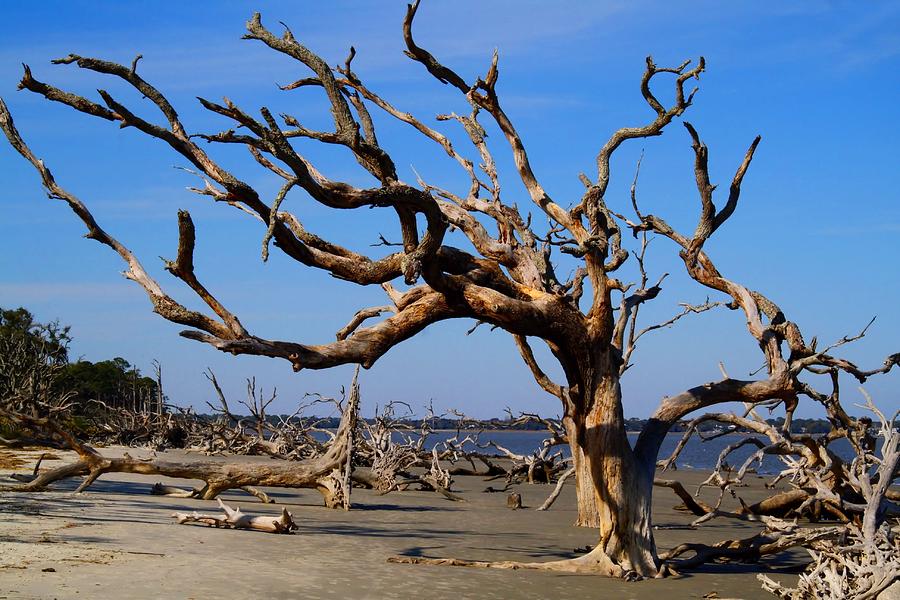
(115, 383)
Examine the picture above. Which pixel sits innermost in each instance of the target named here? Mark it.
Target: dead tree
(390, 449)
(865, 559)
(544, 463)
(30, 376)
(327, 472)
(253, 434)
(386, 458)
(507, 282)
(822, 484)
(858, 558)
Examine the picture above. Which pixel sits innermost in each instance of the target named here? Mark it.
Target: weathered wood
(697, 507)
(233, 518)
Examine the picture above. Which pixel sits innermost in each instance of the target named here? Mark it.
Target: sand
(118, 541)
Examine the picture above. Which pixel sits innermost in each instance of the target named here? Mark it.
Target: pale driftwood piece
(159, 489)
(556, 490)
(504, 279)
(233, 518)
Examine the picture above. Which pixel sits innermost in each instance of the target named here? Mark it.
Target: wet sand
(118, 541)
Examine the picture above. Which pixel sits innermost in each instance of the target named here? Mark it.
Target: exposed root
(592, 563)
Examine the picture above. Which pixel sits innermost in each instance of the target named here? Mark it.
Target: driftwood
(824, 487)
(557, 490)
(390, 460)
(691, 504)
(323, 472)
(865, 559)
(159, 489)
(34, 473)
(545, 463)
(233, 518)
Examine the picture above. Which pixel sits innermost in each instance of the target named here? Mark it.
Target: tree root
(594, 562)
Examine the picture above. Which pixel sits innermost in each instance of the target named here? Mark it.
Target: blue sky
(818, 229)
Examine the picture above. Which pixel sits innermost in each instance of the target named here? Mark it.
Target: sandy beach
(118, 541)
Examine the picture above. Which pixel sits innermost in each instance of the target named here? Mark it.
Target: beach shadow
(388, 532)
(774, 566)
(418, 551)
(125, 488)
(673, 526)
(403, 508)
(540, 552)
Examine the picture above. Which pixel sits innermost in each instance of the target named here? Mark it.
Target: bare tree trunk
(614, 489)
(588, 512)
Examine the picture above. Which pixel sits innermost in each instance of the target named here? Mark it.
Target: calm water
(695, 455)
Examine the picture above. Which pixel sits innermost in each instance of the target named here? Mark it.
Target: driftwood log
(233, 518)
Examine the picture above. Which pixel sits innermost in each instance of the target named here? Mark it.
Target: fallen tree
(328, 473)
(506, 280)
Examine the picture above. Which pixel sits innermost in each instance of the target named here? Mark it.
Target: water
(697, 454)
